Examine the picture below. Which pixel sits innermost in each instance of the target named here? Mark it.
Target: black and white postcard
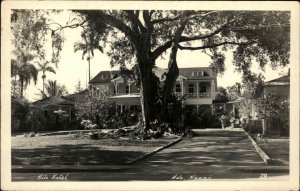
(149, 95)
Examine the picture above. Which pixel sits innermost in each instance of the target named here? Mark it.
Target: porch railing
(198, 95)
(194, 95)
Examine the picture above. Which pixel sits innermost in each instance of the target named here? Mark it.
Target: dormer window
(198, 73)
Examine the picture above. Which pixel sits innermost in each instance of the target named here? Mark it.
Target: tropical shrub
(96, 108)
(35, 122)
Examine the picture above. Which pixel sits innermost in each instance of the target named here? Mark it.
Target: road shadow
(81, 154)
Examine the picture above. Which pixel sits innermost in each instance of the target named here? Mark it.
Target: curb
(262, 153)
(153, 152)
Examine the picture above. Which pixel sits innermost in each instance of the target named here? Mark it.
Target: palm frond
(50, 69)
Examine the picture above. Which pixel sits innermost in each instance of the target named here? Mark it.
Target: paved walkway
(211, 154)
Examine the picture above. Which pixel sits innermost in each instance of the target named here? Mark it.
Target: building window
(198, 73)
(177, 88)
(191, 88)
(127, 89)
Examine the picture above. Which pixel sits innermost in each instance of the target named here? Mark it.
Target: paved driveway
(211, 154)
(210, 148)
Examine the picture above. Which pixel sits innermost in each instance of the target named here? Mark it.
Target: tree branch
(60, 27)
(110, 20)
(213, 45)
(136, 21)
(147, 19)
(166, 20)
(158, 51)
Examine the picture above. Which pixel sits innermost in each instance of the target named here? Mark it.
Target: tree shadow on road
(81, 154)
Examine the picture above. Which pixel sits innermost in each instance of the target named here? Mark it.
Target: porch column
(197, 89)
(116, 88)
(233, 110)
(121, 107)
(70, 117)
(129, 84)
(211, 89)
(197, 107)
(181, 84)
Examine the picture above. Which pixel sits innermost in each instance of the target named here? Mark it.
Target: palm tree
(89, 44)
(14, 73)
(21, 66)
(44, 67)
(52, 88)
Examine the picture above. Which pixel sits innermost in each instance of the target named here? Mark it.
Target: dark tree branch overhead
(214, 45)
(110, 20)
(166, 19)
(158, 51)
(134, 16)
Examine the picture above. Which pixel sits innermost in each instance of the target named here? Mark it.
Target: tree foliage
(98, 109)
(221, 94)
(52, 88)
(272, 106)
(78, 87)
(22, 67)
(44, 67)
(250, 88)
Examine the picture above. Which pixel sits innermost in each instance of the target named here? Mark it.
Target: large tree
(262, 36)
(141, 37)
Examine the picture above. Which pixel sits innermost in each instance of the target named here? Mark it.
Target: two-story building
(198, 85)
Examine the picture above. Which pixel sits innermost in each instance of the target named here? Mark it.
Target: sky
(72, 68)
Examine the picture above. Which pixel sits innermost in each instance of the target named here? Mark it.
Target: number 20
(263, 175)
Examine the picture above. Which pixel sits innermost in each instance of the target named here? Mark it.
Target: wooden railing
(194, 95)
(198, 95)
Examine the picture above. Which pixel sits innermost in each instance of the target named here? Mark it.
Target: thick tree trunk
(147, 93)
(170, 81)
(173, 70)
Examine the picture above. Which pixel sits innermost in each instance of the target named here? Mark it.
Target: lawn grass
(66, 150)
(277, 150)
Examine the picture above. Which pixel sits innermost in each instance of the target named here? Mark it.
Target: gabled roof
(105, 76)
(159, 72)
(284, 80)
(188, 72)
(76, 96)
(52, 101)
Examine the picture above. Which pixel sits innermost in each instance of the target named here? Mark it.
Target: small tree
(272, 107)
(78, 87)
